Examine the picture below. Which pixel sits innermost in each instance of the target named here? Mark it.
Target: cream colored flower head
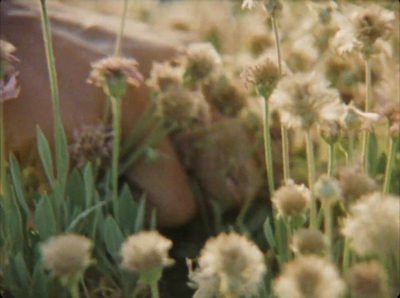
(230, 265)
(146, 251)
(309, 241)
(67, 254)
(163, 75)
(354, 184)
(367, 280)
(292, 199)
(373, 225)
(309, 277)
(305, 99)
(202, 60)
(327, 189)
(115, 67)
(355, 119)
(362, 28)
(264, 74)
(182, 106)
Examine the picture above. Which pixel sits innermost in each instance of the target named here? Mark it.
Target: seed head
(367, 280)
(305, 99)
(202, 60)
(309, 241)
(327, 189)
(146, 251)
(373, 226)
(229, 265)
(67, 254)
(309, 277)
(180, 105)
(354, 184)
(292, 199)
(163, 75)
(264, 75)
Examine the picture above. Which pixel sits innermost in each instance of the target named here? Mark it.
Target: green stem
(346, 256)
(118, 42)
(311, 178)
(267, 149)
(116, 113)
(288, 239)
(154, 289)
(351, 149)
(328, 224)
(389, 166)
(284, 133)
(365, 147)
(331, 158)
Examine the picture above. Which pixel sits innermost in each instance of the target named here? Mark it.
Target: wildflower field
(199, 148)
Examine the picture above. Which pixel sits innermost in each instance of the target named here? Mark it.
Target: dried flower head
(229, 265)
(202, 60)
(67, 255)
(91, 143)
(264, 75)
(373, 226)
(362, 28)
(354, 184)
(305, 99)
(309, 277)
(327, 189)
(8, 75)
(309, 241)
(112, 73)
(355, 119)
(226, 96)
(330, 131)
(367, 280)
(292, 199)
(146, 251)
(163, 75)
(180, 105)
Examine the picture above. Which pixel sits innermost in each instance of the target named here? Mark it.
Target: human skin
(80, 38)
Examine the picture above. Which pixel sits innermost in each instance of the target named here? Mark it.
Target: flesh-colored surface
(80, 38)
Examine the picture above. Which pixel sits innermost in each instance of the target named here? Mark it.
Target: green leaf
(76, 190)
(139, 222)
(89, 184)
(44, 218)
(39, 282)
(15, 225)
(62, 158)
(113, 238)
(373, 154)
(127, 211)
(153, 219)
(45, 155)
(16, 179)
(18, 263)
(269, 234)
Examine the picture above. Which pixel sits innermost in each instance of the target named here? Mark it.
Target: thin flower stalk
(267, 148)
(116, 113)
(331, 159)
(328, 223)
(346, 259)
(2, 155)
(118, 42)
(365, 147)
(284, 133)
(311, 178)
(389, 165)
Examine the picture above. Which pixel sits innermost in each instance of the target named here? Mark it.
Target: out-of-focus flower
(291, 199)
(302, 54)
(309, 241)
(229, 265)
(112, 73)
(367, 280)
(146, 251)
(355, 119)
(330, 131)
(354, 184)
(305, 99)
(202, 60)
(362, 28)
(163, 75)
(327, 189)
(67, 255)
(309, 276)
(182, 106)
(373, 226)
(91, 143)
(8, 75)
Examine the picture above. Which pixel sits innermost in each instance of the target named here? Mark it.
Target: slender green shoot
(389, 165)
(311, 178)
(118, 42)
(368, 83)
